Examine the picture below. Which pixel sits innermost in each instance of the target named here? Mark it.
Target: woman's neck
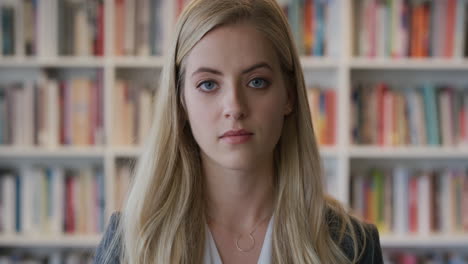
(238, 199)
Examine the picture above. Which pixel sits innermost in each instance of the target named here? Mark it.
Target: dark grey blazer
(372, 252)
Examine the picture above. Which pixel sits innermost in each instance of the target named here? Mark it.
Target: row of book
(52, 200)
(314, 24)
(141, 27)
(322, 103)
(406, 28)
(402, 200)
(81, 27)
(56, 257)
(50, 112)
(425, 115)
(425, 258)
(52, 27)
(133, 101)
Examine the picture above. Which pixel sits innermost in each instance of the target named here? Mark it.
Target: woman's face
(235, 97)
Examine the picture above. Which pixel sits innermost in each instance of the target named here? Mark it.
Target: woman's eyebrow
(251, 68)
(256, 66)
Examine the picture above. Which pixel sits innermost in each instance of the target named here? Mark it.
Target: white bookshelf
(65, 241)
(409, 64)
(409, 152)
(336, 72)
(424, 241)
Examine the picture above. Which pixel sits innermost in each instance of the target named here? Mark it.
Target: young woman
(231, 171)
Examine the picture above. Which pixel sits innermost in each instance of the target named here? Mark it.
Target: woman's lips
(239, 139)
(236, 136)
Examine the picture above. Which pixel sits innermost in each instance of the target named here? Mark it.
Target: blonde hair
(163, 220)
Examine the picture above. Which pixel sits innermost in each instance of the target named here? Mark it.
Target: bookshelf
(337, 71)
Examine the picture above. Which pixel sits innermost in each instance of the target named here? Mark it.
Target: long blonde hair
(163, 220)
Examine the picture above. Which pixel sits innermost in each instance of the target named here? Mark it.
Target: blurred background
(387, 85)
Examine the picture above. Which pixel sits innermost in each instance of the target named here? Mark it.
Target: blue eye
(207, 86)
(258, 83)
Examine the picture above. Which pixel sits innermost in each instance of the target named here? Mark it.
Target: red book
(450, 29)
(69, 206)
(99, 44)
(330, 105)
(119, 22)
(180, 7)
(308, 26)
(425, 29)
(407, 258)
(414, 31)
(413, 204)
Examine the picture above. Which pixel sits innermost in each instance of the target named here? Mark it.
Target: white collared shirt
(212, 255)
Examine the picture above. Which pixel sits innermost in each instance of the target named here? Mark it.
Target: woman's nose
(235, 103)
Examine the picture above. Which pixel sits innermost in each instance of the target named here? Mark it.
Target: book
(425, 114)
(402, 200)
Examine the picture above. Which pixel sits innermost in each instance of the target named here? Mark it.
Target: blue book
(431, 114)
(294, 17)
(320, 28)
(18, 203)
(50, 194)
(8, 26)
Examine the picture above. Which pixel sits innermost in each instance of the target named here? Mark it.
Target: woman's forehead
(232, 47)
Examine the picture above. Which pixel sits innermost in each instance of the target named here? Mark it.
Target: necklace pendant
(248, 249)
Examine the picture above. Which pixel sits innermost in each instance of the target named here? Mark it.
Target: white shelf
(126, 151)
(409, 64)
(428, 241)
(62, 241)
(409, 152)
(139, 62)
(59, 62)
(87, 152)
(328, 151)
(135, 151)
(309, 62)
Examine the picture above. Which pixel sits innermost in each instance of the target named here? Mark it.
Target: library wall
(386, 83)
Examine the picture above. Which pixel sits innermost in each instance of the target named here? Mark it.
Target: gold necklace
(250, 235)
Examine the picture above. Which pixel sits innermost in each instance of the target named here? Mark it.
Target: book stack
(142, 28)
(322, 103)
(133, 103)
(81, 27)
(314, 24)
(47, 28)
(402, 200)
(52, 201)
(425, 115)
(27, 28)
(405, 28)
(50, 112)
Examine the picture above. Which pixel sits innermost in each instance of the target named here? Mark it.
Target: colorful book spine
(419, 201)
